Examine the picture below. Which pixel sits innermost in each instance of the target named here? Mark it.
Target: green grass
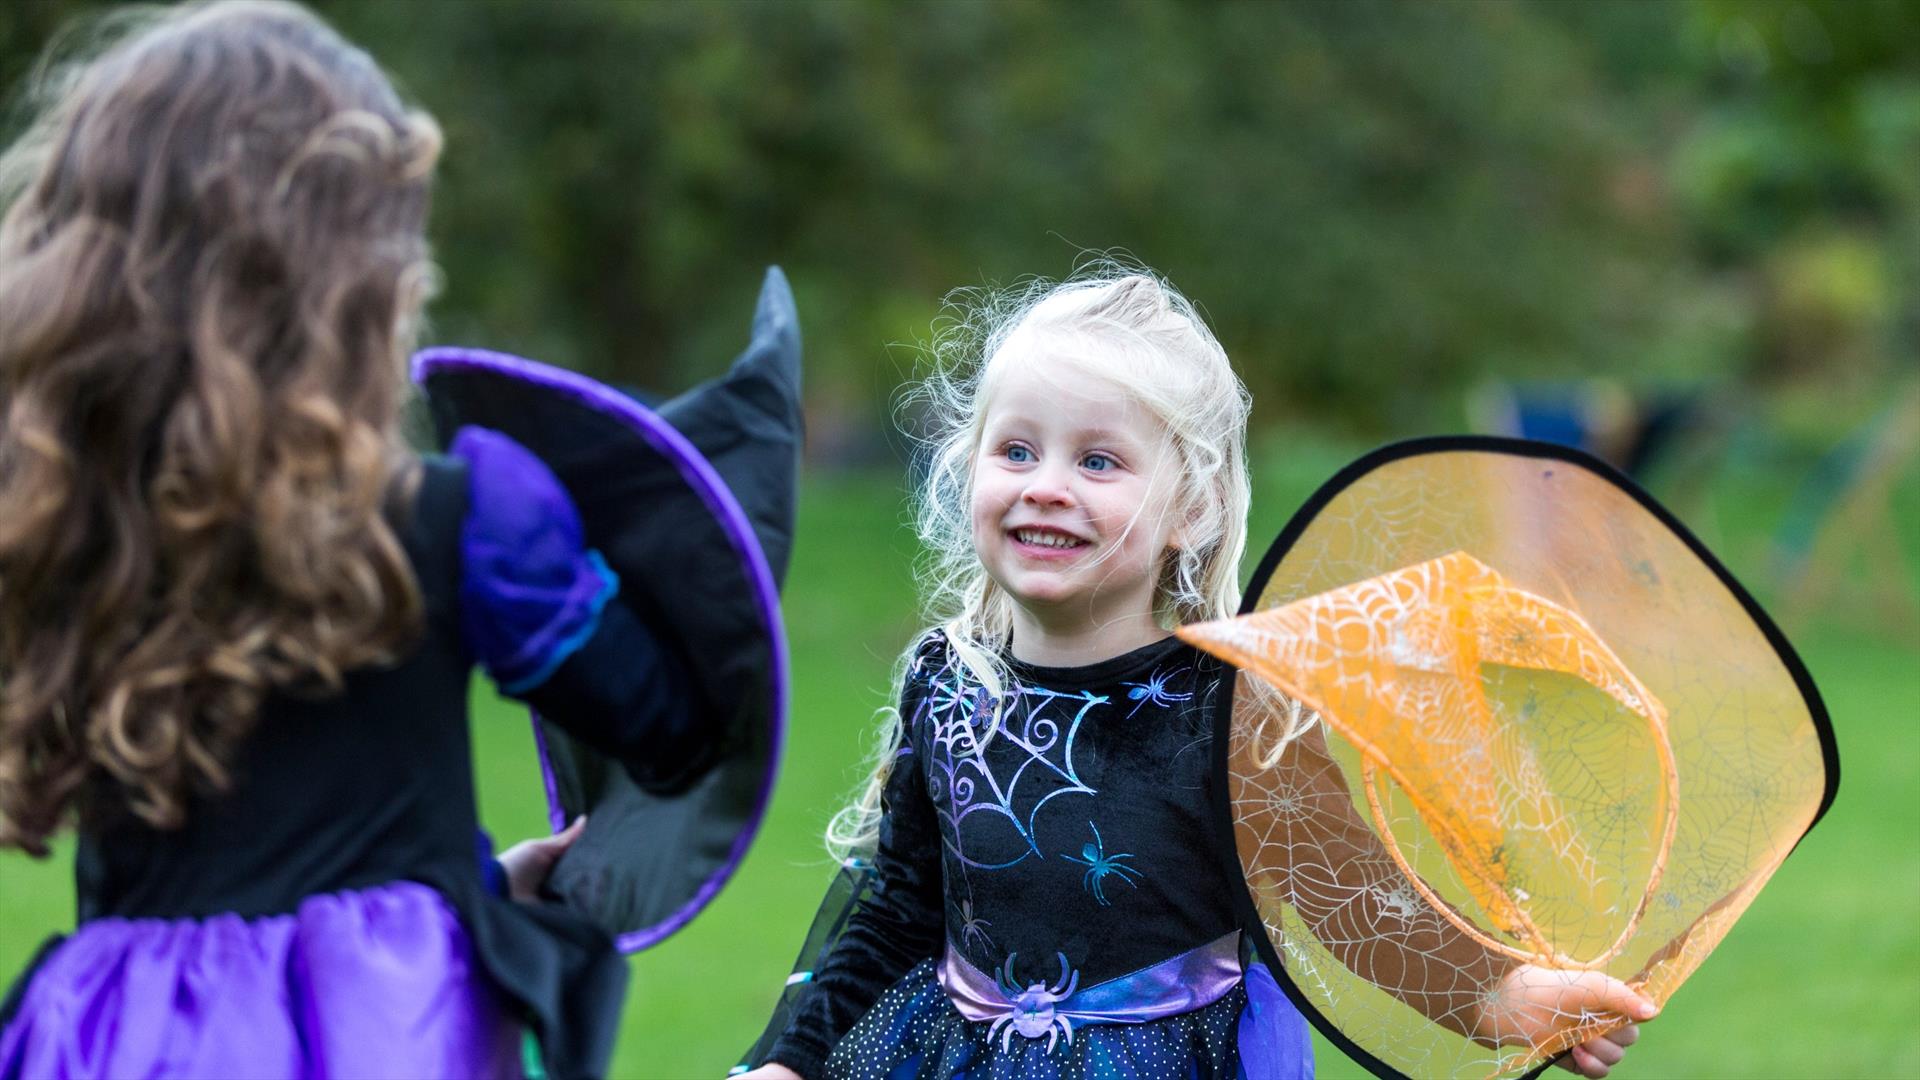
(1821, 977)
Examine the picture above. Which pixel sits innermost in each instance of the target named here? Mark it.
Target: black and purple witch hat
(692, 505)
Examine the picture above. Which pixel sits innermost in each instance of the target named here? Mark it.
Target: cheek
(986, 507)
(1128, 512)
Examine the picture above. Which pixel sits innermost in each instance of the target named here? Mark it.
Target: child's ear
(1184, 525)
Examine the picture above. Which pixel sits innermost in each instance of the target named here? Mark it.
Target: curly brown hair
(210, 268)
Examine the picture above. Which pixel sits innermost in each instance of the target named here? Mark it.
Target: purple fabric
(530, 591)
(370, 982)
(699, 475)
(556, 811)
(1274, 1042)
(1192, 980)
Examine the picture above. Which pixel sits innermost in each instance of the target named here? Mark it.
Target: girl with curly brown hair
(238, 614)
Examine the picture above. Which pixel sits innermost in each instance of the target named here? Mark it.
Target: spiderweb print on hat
(1556, 733)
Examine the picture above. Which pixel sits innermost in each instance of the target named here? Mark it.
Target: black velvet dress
(1062, 844)
(327, 914)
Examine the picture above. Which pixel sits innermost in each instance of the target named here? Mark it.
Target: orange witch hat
(1552, 731)
(1392, 663)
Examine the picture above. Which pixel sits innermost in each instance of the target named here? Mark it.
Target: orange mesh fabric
(1553, 735)
(1392, 663)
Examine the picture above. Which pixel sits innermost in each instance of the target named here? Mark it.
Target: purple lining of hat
(699, 474)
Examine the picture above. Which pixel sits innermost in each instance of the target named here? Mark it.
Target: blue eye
(1019, 455)
(1097, 463)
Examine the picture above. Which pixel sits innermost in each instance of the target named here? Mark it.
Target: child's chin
(1042, 594)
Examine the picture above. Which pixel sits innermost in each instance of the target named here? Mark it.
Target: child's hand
(772, 1070)
(1594, 1057)
(1532, 1004)
(528, 862)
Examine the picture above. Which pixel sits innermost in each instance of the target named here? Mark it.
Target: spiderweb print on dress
(1036, 730)
(1554, 734)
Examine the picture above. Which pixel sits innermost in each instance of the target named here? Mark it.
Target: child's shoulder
(931, 642)
(931, 653)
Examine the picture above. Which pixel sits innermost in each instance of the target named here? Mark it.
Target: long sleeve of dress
(539, 610)
(899, 922)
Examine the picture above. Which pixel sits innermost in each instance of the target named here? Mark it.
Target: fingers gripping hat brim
(693, 508)
(1556, 732)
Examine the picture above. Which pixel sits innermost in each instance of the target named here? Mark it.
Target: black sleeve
(628, 695)
(898, 923)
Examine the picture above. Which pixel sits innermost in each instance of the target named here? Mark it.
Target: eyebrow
(1097, 435)
(1085, 433)
(1108, 436)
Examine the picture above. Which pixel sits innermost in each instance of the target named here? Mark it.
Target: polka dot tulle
(913, 1031)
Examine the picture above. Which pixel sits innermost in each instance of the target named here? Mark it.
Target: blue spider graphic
(1103, 865)
(1154, 690)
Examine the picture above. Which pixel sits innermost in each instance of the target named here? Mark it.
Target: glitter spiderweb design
(1601, 770)
(1038, 724)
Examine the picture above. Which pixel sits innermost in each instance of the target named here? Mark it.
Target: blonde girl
(1044, 895)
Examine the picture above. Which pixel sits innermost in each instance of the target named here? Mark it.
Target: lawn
(1820, 978)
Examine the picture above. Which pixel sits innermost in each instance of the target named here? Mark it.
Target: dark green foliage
(1377, 203)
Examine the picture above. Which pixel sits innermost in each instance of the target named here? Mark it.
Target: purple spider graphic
(1154, 690)
(972, 926)
(1102, 865)
(1033, 1007)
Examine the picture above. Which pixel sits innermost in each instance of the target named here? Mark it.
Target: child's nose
(1047, 486)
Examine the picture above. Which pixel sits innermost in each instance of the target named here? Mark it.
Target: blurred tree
(1800, 174)
(1377, 203)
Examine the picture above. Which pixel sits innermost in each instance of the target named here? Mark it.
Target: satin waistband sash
(1192, 980)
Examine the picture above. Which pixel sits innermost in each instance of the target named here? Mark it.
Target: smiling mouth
(1047, 538)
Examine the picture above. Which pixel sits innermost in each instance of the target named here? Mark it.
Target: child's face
(1070, 493)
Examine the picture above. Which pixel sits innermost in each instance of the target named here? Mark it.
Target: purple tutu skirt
(378, 982)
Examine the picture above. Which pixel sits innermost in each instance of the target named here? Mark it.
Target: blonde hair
(211, 260)
(1112, 322)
